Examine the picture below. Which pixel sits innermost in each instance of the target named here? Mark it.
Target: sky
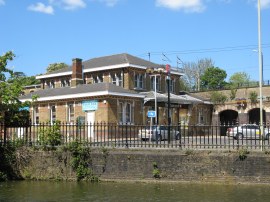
(42, 32)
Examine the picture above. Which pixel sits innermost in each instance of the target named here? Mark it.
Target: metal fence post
(126, 136)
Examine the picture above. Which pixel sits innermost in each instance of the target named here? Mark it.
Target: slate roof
(66, 92)
(117, 59)
(175, 99)
(109, 61)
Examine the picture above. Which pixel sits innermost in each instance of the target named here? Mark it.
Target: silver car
(158, 133)
(249, 131)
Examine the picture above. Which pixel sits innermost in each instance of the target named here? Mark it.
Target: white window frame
(125, 112)
(70, 115)
(52, 113)
(139, 81)
(50, 84)
(201, 117)
(117, 79)
(157, 82)
(172, 85)
(97, 79)
(36, 115)
(65, 83)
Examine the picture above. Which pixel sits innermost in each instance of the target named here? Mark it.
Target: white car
(158, 133)
(249, 131)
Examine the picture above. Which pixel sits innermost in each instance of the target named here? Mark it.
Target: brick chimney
(77, 74)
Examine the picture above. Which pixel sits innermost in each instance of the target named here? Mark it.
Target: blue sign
(89, 105)
(151, 114)
(24, 109)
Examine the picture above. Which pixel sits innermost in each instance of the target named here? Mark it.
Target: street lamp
(260, 72)
(168, 70)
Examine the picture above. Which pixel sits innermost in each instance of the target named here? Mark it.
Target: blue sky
(41, 32)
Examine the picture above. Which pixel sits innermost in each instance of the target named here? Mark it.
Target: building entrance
(90, 123)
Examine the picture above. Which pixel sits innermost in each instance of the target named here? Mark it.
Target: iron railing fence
(228, 137)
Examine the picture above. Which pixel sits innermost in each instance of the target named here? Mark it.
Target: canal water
(125, 192)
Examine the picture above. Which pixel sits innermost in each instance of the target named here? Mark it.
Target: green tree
(213, 78)
(23, 79)
(239, 78)
(10, 104)
(56, 66)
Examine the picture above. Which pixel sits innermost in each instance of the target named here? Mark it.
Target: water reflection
(83, 191)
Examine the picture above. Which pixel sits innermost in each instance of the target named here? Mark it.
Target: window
(117, 79)
(50, 84)
(138, 81)
(157, 82)
(120, 113)
(172, 85)
(36, 115)
(52, 113)
(65, 83)
(98, 79)
(128, 113)
(125, 112)
(70, 113)
(201, 119)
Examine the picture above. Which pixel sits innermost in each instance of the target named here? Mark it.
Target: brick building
(117, 88)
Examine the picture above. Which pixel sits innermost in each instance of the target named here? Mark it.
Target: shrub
(218, 97)
(50, 135)
(253, 96)
(156, 172)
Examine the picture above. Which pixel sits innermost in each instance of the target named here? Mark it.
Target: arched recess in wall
(254, 116)
(227, 118)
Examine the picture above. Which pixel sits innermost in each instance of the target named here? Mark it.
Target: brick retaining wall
(173, 165)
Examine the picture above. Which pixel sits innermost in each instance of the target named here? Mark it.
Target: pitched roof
(116, 61)
(176, 99)
(110, 60)
(81, 91)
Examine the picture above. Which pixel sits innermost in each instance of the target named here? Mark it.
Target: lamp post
(168, 70)
(260, 72)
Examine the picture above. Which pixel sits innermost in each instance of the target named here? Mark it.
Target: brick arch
(254, 115)
(227, 118)
(221, 108)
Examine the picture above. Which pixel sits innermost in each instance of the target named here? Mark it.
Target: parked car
(158, 133)
(249, 131)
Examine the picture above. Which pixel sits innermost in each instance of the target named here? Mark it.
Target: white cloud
(69, 4)
(110, 3)
(2, 2)
(265, 4)
(40, 7)
(186, 5)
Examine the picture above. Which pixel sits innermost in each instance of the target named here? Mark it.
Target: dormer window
(172, 85)
(65, 83)
(117, 79)
(98, 79)
(138, 81)
(50, 84)
(157, 83)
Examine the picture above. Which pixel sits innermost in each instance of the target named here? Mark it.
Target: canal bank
(162, 165)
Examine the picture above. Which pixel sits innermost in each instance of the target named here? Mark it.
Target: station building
(115, 89)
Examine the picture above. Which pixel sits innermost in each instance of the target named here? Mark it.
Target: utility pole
(260, 73)
(168, 70)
